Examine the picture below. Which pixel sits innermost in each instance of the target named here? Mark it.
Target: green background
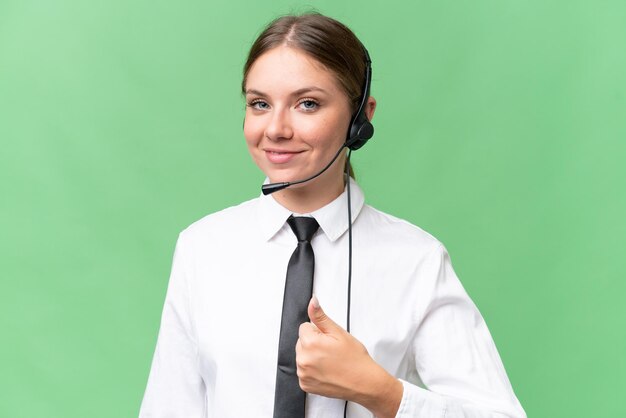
(500, 129)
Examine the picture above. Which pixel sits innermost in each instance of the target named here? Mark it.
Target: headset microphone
(274, 187)
(359, 132)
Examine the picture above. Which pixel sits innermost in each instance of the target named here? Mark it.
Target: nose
(279, 126)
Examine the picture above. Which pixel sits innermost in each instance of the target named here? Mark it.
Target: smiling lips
(280, 157)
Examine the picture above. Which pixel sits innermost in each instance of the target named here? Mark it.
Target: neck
(309, 197)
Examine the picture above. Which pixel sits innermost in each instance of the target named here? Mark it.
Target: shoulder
(393, 231)
(222, 224)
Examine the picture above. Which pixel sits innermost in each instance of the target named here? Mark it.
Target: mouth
(280, 157)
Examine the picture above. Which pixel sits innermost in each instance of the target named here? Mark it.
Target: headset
(361, 129)
(359, 132)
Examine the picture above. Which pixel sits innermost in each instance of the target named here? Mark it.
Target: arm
(455, 356)
(175, 387)
(452, 352)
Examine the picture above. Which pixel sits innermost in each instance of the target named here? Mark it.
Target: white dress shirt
(217, 347)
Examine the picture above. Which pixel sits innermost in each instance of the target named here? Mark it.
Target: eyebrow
(295, 93)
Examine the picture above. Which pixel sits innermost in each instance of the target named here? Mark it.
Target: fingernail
(316, 303)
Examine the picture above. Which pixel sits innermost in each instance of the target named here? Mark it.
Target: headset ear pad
(360, 131)
(360, 127)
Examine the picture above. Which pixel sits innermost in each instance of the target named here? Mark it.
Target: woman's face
(297, 118)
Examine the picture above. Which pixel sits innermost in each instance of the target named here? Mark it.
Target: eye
(259, 104)
(308, 104)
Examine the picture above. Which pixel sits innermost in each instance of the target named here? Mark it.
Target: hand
(332, 363)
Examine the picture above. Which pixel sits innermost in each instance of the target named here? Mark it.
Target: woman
(227, 347)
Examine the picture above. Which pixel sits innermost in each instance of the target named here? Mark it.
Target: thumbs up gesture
(332, 363)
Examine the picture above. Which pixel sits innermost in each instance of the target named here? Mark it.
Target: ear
(370, 108)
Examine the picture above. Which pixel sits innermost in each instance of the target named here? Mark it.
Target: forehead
(286, 69)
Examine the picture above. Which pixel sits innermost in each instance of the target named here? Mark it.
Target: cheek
(252, 131)
(327, 133)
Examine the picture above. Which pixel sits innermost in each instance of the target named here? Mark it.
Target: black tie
(289, 398)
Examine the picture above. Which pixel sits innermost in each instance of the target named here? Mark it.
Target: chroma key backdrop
(500, 129)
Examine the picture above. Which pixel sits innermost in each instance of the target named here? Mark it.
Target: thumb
(320, 319)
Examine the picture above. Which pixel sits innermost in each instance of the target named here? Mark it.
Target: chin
(286, 175)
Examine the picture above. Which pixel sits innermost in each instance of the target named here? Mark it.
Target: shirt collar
(332, 217)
